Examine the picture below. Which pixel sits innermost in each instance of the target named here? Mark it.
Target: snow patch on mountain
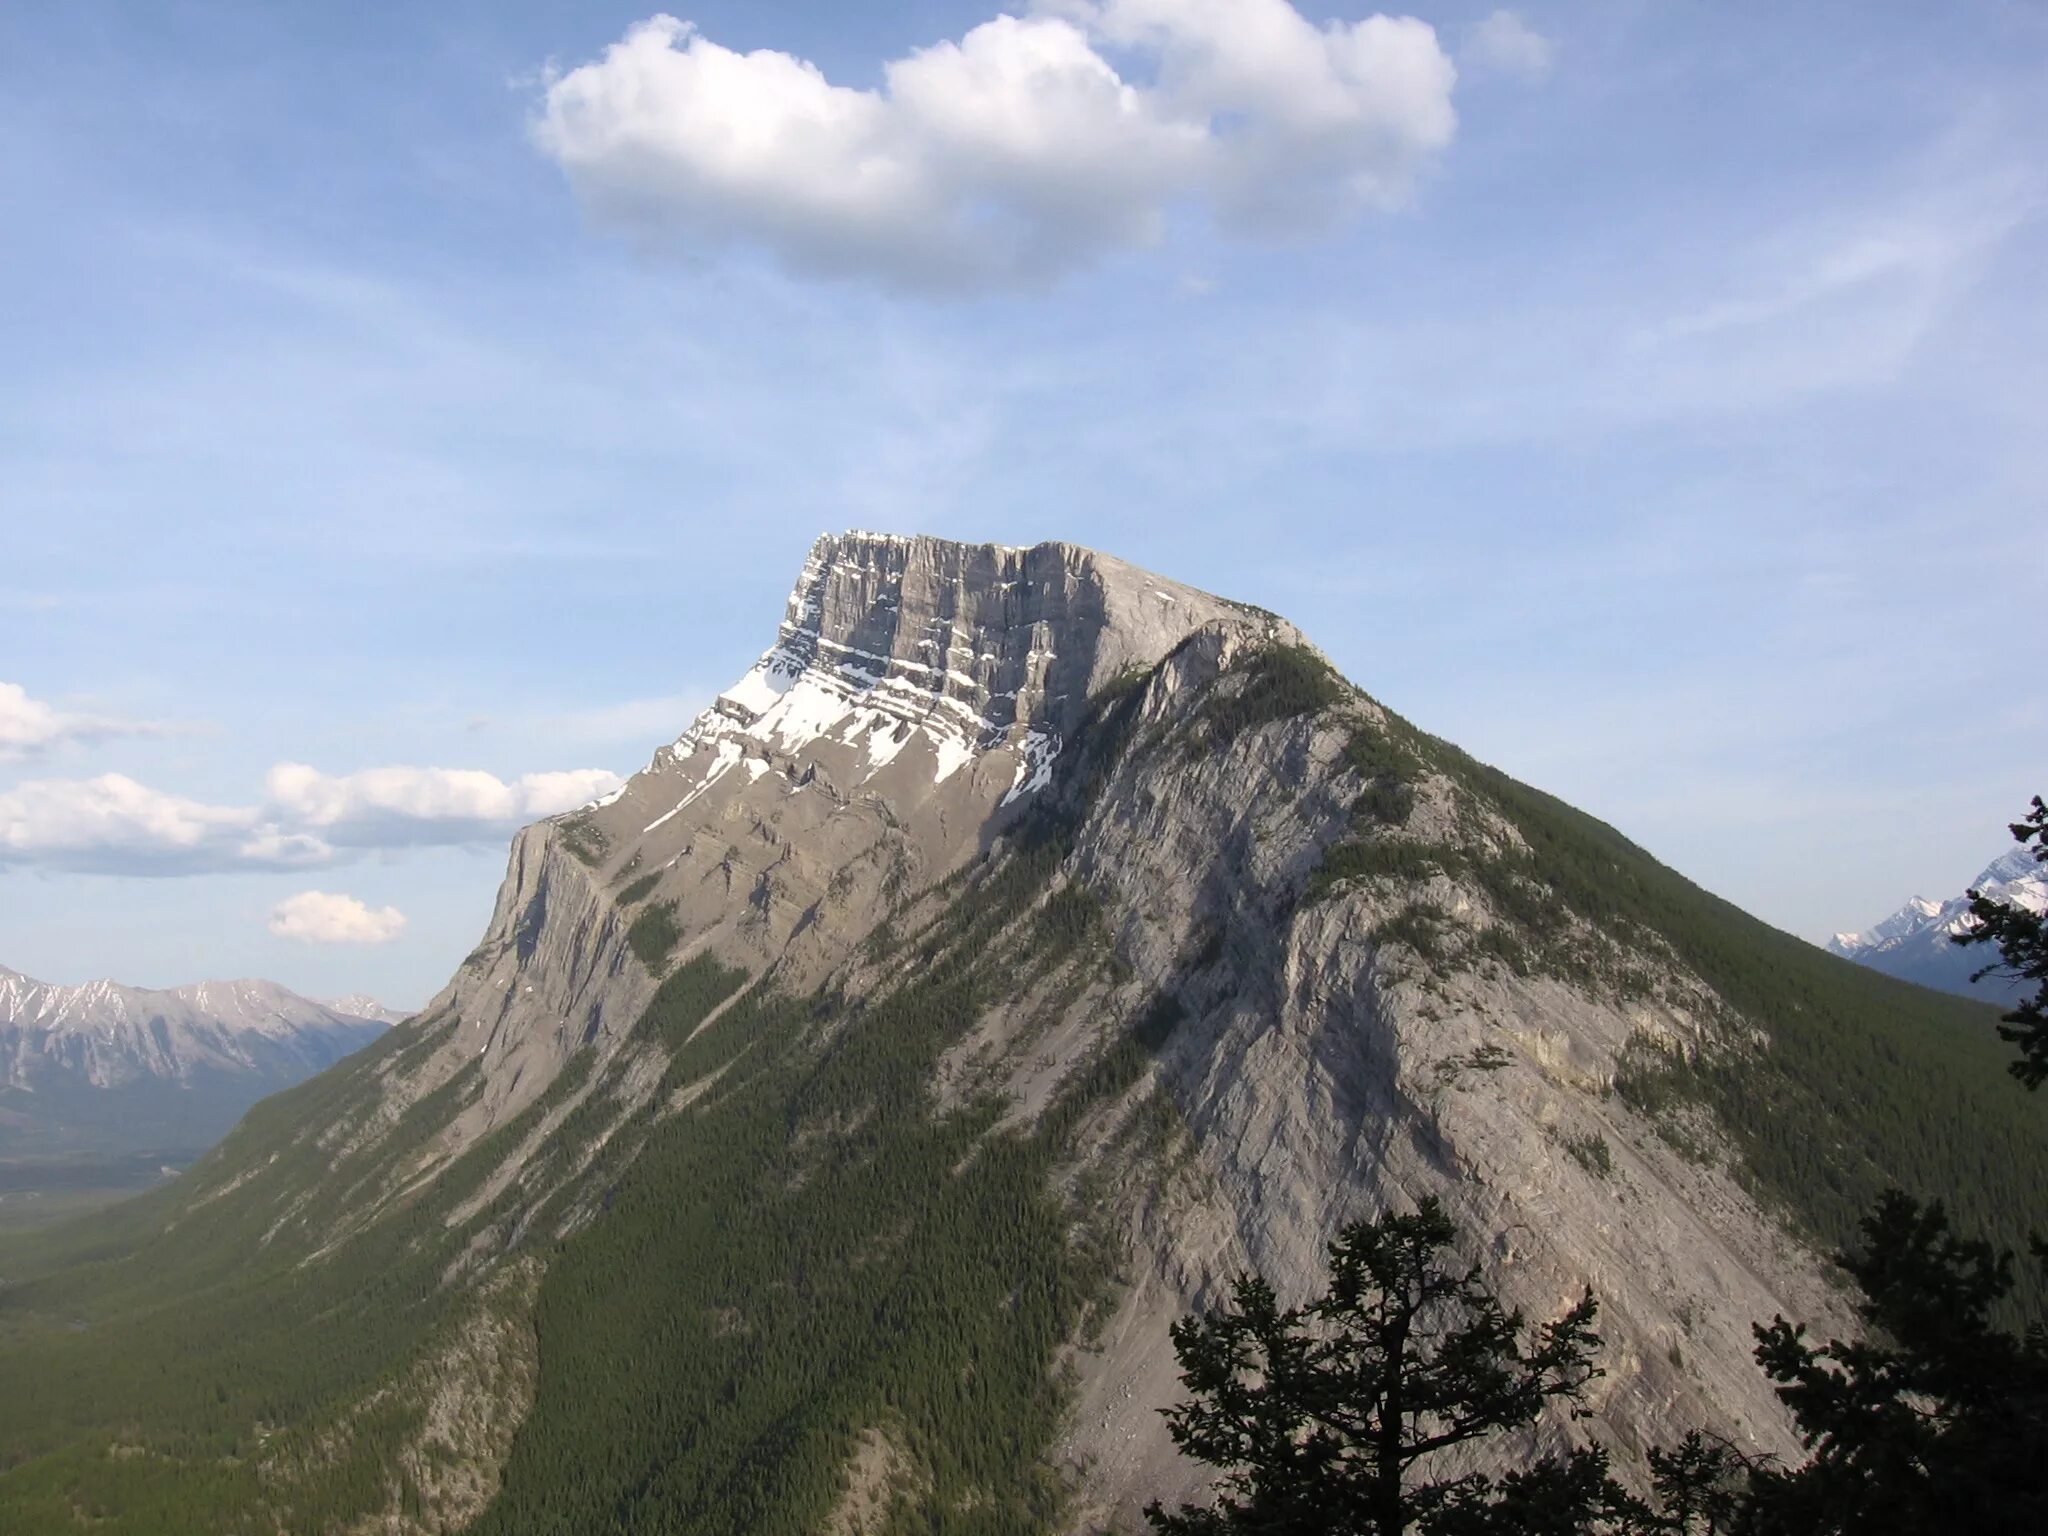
(1916, 943)
(2013, 878)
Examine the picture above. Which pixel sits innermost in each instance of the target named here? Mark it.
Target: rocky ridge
(918, 693)
(1916, 943)
(919, 696)
(1028, 860)
(106, 1034)
(102, 1069)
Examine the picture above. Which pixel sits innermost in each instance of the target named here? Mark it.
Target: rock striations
(919, 692)
(1025, 878)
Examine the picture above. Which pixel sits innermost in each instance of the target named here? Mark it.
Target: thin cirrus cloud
(1010, 157)
(1507, 45)
(325, 917)
(113, 824)
(31, 727)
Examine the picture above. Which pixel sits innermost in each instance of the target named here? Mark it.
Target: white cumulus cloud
(114, 825)
(323, 917)
(1010, 156)
(31, 726)
(1508, 45)
(388, 807)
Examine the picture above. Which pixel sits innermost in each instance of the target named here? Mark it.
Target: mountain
(1916, 942)
(358, 1005)
(830, 1124)
(105, 1071)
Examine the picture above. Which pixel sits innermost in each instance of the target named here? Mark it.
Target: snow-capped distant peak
(105, 1033)
(359, 1005)
(1915, 942)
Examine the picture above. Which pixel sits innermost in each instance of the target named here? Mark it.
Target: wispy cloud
(114, 825)
(404, 806)
(1508, 45)
(31, 727)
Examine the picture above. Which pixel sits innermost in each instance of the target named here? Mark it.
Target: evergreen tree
(2022, 940)
(1935, 1421)
(1328, 1417)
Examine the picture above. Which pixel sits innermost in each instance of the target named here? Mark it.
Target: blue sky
(1658, 408)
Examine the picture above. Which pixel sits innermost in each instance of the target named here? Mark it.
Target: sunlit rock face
(921, 700)
(919, 692)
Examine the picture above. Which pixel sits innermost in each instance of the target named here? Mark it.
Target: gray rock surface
(920, 698)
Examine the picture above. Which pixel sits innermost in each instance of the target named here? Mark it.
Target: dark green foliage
(1698, 1489)
(180, 1326)
(2022, 940)
(1591, 1153)
(1702, 1486)
(1570, 1495)
(1115, 1069)
(1390, 769)
(654, 933)
(1417, 926)
(1377, 752)
(1070, 919)
(1380, 860)
(580, 835)
(638, 890)
(1329, 1418)
(1936, 1420)
(1385, 802)
(817, 1252)
(686, 999)
(1278, 682)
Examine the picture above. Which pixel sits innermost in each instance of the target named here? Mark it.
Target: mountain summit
(831, 1124)
(1917, 942)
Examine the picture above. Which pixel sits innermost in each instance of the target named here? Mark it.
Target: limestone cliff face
(1327, 1072)
(920, 699)
(919, 692)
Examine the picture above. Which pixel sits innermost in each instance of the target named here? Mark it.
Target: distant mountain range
(360, 1006)
(1916, 943)
(104, 1071)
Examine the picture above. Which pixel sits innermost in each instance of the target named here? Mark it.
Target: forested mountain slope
(829, 1127)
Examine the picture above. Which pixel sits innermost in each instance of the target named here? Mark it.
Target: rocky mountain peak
(1024, 948)
(987, 635)
(917, 690)
(973, 647)
(103, 1067)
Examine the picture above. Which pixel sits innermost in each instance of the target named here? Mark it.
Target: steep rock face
(1327, 1072)
(1324, 1072)
(919, 692)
